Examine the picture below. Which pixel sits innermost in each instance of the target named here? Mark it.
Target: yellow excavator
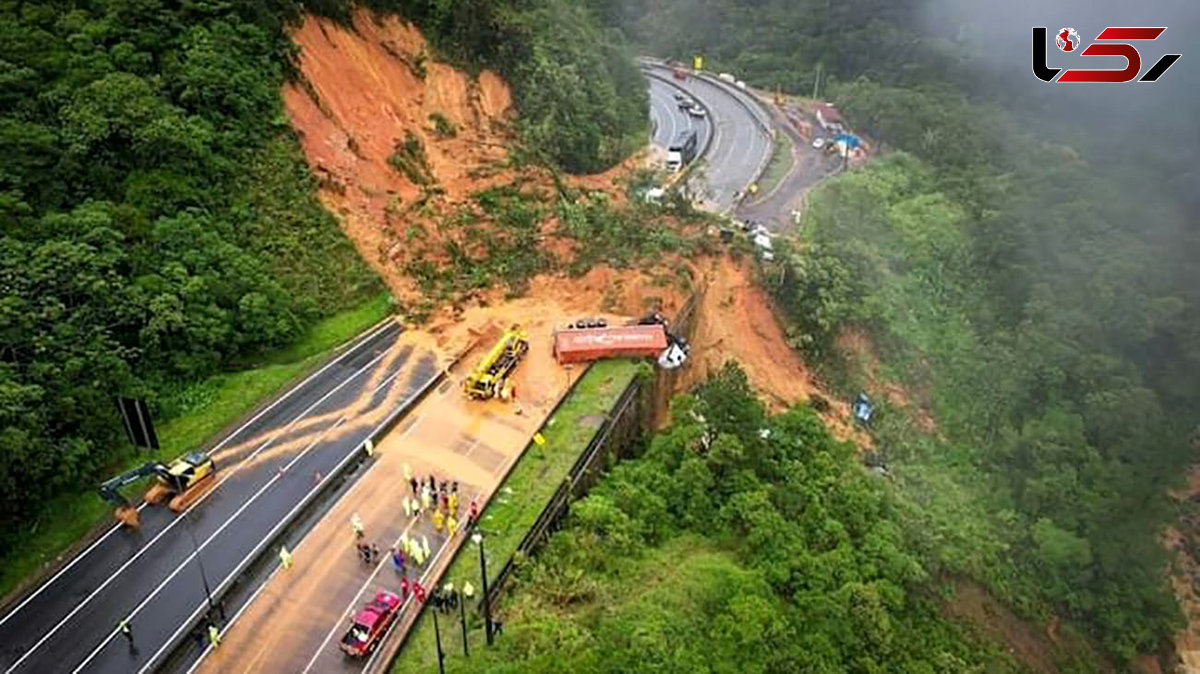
(182, 481)
(489, 379)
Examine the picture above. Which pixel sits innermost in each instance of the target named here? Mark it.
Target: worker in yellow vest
(214, 635)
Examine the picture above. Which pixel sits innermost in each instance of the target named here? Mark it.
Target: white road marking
(424, 580)
(41, 588)
(363, 588)
(228, 625)
(261, 587)
(182, 515)
(216, 533)
(274, 478)
(190, 557)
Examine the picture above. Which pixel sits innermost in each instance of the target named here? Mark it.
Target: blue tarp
(851, 140)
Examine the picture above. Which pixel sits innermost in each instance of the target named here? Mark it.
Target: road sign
(138, 425)
(698, 62)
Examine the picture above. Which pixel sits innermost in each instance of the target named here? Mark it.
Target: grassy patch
(204, 408)
(443, 127)
(780, 165)
(510, 514)
(409, 159)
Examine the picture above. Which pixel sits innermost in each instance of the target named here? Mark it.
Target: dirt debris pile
(400, 145)
(390, 133)
(736, 321)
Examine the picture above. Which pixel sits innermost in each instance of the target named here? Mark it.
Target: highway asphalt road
(155, 576)
(299, 614)
(740, 144)
(809, 167)
(668, 120)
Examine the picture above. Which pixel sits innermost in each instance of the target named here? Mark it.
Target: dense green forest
(1022, 260)
(737, 542)
(158, 221)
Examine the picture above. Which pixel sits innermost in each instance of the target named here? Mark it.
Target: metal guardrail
(559, 503)
(743, 98)
(390, 648)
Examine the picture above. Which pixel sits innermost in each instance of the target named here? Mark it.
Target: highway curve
(668, 120)
(152, 576)
(741, 143)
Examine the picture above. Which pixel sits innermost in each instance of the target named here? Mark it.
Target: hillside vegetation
(739, 542)
(581, 100)
(1023, 267)
(159, 223)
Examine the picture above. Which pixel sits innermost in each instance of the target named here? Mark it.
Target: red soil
(360, 94)
(736, 322)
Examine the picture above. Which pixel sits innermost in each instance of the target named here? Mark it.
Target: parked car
(818, 143)
(370, 623)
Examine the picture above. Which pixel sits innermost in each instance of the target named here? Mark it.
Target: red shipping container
(634, 341)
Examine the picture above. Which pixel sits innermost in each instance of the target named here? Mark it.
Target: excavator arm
(110, 490)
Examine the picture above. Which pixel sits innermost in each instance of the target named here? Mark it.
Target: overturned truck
(647, 339)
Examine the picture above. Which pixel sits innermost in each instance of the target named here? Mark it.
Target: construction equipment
(490, 377)
(181, 481)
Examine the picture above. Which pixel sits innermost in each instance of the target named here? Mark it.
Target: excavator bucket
(129, 516)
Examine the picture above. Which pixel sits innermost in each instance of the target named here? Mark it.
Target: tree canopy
(739, 541)
(157, 222)
(1021, 260)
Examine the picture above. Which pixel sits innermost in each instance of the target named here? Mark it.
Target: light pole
(200, 563)
(437, 635)
(462, 615)
(487, 604)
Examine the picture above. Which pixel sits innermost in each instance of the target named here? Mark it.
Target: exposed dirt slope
(736, 322)
(1036, 650)
(365, 90)
(1183, 540)
(369, 88)
(857, 347)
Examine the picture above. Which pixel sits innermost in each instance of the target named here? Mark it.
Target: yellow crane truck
(181, 481)
(489, 379)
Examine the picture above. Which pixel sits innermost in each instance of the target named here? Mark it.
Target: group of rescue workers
(440, 499)
(427, 496)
